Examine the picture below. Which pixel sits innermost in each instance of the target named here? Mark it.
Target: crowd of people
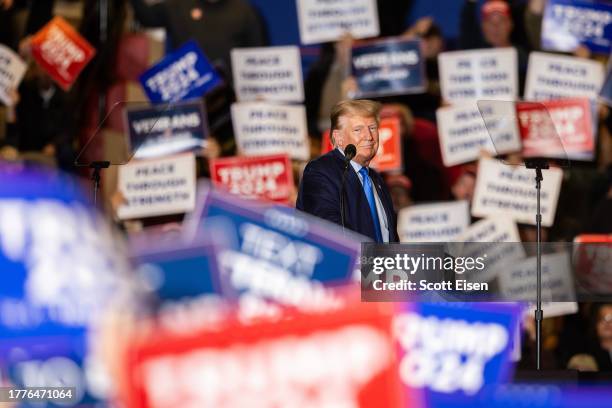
(49, 125)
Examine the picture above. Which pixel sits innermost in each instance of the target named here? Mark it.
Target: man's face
(496, 29)
(362, 131)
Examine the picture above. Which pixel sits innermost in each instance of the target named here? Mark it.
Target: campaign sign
(52, 249)
(167, 129)
(262, 129)
(343, 358)
(183, 74)
(388, 67)
(551, 76)
(485, 237)
(264, 177)
(568, 24)
(61, 52)
(268, 73)
(452, 352)
(606, 90)
(157, 187)
(389, 154)
(592, 266)
(557, 129)
(464, 135)
(439, 222)
(272, 252)
(509, 191)
(518, 282)
(322, 20)
(478, 74)
(12, 69)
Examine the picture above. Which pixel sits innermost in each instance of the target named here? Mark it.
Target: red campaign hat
(495, 6)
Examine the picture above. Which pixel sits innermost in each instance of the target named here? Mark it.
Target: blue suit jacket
(319, 195)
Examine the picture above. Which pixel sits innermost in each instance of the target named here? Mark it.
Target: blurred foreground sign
(61, 51)
(271, 252)
(453, 351)
(344, 358)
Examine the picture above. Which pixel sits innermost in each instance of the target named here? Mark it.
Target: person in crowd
(216, 25)
(40, 119)
(399, 188)
(601, 335)
(499, 27)
(368, 208)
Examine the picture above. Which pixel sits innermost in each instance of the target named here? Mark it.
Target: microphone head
(350, 151)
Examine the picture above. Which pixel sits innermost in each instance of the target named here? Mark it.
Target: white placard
(478, 74)
(12, 70)
(509, 191)
(463, 133)
(157, 187)
(440, 222)
(324, 20)
(519, 281)
(495, 238)
(262, 128)
(268, 73)
(551, 76)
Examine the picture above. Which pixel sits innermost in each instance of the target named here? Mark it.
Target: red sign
(557, 129)
(389, 154)
(264, 177)
(61, 51)
(334, 359)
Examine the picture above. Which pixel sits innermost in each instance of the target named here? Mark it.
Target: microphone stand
(342, 191)
(538, 165)
(97, 166)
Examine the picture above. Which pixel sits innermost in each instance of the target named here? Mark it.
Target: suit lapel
(377, 181)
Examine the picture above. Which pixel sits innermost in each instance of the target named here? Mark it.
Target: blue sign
(273, 252)
(179, 272)
(570, 23)
(183, 74)
(167, 129)
(388, 67)
(53, 250)
(453, 351)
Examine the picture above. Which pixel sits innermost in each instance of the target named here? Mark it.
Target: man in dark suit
(368, 205)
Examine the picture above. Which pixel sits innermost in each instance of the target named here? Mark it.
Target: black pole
(97, 166)
(538, 165)
(342, 191)
(103, 23)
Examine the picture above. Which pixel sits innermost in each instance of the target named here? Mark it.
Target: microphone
(349, 152)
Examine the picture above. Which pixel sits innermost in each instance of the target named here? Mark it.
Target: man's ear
(337, 138)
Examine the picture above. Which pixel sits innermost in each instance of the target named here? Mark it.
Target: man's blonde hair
(350, 107)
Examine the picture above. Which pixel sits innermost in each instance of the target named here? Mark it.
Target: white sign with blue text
(264, 128)
(323, 20)
(478, 74)
(12, 70)
(268, 73)
(464, 135)
(551, 76)
(157, 187)
(440, 222)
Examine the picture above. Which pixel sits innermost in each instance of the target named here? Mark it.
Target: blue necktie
(367, 188)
